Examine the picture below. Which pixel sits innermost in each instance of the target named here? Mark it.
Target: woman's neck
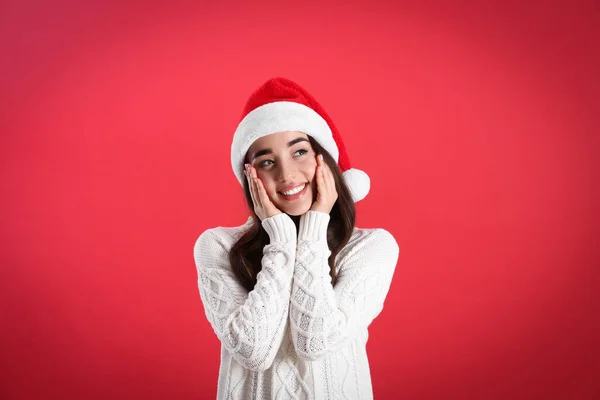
(296, 219)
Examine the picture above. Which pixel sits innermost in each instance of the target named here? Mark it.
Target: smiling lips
(295, 192)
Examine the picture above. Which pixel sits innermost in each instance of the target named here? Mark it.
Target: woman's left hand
(326, 193)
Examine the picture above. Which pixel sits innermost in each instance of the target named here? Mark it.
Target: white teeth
(294, 191)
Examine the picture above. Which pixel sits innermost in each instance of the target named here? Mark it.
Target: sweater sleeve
(250, 325)
(324, 317)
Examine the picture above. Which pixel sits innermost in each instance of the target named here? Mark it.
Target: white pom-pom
(358, 182)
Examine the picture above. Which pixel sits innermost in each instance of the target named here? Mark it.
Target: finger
(332, 183)
(256, 181)
(322, 171)
(328, 174)
(329, 181)
(328, 178)
(249, 181)
(262, 193)
(321, 189)
(251, 185)
(319, 166)
(259, 201)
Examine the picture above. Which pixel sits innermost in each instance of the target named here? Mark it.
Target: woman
(291, 293)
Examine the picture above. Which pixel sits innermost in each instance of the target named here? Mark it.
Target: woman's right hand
(263, 206)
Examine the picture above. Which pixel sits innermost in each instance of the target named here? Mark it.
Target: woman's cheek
(311, 166)
(262, 176)
(264, 179)
(269, 183)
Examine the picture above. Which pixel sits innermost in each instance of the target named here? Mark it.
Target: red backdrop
(478, 125)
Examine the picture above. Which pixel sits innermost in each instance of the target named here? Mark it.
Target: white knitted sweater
(295, 336)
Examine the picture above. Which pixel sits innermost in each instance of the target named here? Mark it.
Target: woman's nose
(286, 171)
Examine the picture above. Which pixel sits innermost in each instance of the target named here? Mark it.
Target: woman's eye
(268, 162)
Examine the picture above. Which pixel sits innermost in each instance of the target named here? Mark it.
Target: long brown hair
(246, 254)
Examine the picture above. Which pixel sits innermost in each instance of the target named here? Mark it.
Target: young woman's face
(285, 162)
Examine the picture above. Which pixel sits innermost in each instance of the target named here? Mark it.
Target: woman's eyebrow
(262, 152)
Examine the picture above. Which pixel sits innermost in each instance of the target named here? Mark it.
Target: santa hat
(280, 105)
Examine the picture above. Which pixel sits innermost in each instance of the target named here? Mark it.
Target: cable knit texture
(295, 336)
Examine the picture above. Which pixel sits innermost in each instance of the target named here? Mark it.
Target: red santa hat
(280, 105)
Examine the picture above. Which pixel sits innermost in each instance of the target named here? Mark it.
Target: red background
(478, 125)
